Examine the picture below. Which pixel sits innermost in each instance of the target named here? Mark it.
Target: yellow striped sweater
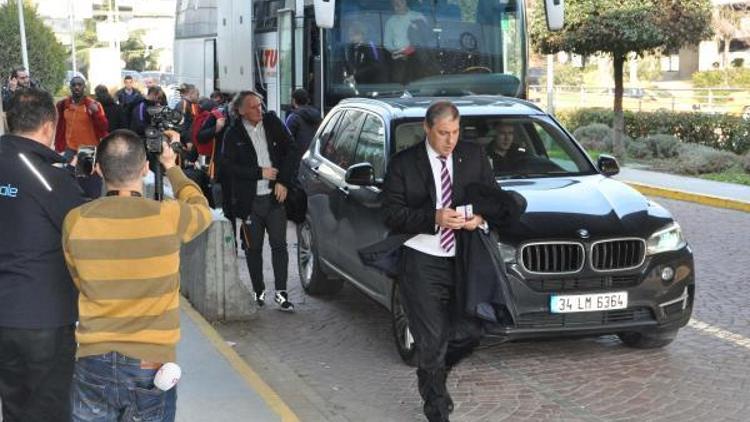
(124, 256)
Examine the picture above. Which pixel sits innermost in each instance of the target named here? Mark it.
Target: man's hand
(449, 218)
(93, 108)
(189, 146)
(168, 157)
(473, 222)
(280, 192)
(220, 124)
(269, 173)
(12, 84)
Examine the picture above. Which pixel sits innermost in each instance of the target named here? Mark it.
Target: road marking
(720, 333)
(255, 382)
(712, 201)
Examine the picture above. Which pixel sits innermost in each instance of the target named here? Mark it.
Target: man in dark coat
(423, 187)
(261, 160)
(38, 300)
(304, 119)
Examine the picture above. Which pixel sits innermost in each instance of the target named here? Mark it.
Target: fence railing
(705, 100)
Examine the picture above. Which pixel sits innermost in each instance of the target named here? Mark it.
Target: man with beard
(19, 78)
(81, 122)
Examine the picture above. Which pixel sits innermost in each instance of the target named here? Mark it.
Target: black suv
(589, 256)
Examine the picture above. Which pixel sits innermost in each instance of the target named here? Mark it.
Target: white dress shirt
(258, 136)
(430, 243)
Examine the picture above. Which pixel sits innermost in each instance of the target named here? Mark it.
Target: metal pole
(72, 10)
(550, 84)
(22, 26)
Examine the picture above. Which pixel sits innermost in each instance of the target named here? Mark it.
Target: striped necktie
(447, 236)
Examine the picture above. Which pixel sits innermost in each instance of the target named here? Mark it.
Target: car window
(526, 147)
(408, 134)
(327, 132)
(371, 145)
(340, 147)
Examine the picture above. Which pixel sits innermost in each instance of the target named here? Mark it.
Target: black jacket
(241, 161)
(36, 290)
(409, 187)
(115, 115)
(302, 124)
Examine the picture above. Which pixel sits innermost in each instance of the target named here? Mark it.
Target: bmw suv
(589, 256)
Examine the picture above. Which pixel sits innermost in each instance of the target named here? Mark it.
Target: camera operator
(140, 118)
(37, 296)
(123, 253)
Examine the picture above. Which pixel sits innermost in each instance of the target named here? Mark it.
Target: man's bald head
(121, 157)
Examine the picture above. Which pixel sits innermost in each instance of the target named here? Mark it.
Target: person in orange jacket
(81, 122)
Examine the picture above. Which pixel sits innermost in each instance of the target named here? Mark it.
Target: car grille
(553, 257)
(610, 255)
(583, 319)
(582, 284)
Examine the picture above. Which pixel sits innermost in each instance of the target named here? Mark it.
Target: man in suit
(261, 160)
(424, 185)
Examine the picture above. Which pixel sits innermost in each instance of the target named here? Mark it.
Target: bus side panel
(235, 45)
(189, 63)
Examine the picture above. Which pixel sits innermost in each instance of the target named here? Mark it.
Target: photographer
(19, 78)
(140, 118)
(123, 253)
(37, 296)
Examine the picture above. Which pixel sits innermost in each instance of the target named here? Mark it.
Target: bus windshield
(426, 47)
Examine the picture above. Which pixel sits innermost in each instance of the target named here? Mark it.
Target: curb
(712, 201)
(272, 399)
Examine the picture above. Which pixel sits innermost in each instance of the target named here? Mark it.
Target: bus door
(286, 64)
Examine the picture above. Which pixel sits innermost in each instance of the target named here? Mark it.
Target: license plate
(588, 303)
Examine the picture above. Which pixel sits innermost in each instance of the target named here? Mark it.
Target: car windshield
(518, 147)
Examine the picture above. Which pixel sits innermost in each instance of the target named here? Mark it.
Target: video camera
(162, 118)
(86, 159)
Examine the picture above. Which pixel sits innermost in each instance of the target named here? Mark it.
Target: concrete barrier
(209, 276)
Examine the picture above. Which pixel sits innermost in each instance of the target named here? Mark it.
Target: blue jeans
(114, 387)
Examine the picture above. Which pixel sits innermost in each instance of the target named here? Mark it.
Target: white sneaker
(260, 299)
(282, 299)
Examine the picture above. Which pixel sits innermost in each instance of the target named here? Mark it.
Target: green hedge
(720, 131)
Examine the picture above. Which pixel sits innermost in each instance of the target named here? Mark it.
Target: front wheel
(401, 333)
(648, 339)
(314, 281)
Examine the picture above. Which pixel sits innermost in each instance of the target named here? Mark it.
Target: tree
(137, 55)
(620, 27)
(46, 54)
(727, 23)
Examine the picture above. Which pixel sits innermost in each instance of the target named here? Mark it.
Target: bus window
(426, 47)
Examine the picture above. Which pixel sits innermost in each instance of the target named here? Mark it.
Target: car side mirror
(607, 165)
(361, 174)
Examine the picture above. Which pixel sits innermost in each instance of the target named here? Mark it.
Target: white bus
(343, 48)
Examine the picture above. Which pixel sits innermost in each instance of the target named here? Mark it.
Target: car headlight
(508, 252)
(667, 239)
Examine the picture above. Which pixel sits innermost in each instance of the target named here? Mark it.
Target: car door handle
(344, 190)
(315, 171)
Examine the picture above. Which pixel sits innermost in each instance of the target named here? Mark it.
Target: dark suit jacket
(409, 187)
(241, 160)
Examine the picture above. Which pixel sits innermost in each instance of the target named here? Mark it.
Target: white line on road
(720, 333)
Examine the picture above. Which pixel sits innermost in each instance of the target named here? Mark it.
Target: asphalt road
(338, 354)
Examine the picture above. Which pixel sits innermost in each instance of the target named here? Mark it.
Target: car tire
(312, 278)
(402, 335)
(649, 339)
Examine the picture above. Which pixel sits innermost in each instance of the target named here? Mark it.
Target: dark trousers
(443, 337)
(36, 371)
(267, 215)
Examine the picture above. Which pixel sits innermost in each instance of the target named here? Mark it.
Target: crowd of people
(89, 286)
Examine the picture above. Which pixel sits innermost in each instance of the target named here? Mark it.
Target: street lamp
(22, 26)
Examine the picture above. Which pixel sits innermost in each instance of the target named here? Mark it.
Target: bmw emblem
(583, 233)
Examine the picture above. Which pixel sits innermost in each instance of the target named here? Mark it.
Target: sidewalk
(693, 189)
(216, 384)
